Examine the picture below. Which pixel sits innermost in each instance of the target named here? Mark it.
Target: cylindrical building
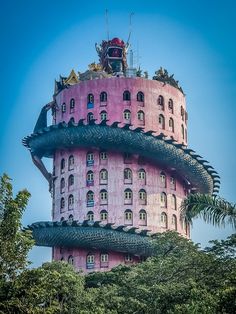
(121, 166)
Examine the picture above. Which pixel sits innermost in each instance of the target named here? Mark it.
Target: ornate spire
(72, 78)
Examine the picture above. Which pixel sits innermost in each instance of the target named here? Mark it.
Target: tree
(52, 288)
(180, 278)
(14, 243)
(224, 249)
(212, 209)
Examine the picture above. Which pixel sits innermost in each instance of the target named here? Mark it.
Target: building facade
(121, 166)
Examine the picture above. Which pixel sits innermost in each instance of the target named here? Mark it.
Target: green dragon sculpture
(166, 152)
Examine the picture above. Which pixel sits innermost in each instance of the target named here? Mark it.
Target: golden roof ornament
(72, 78)
(95, 67)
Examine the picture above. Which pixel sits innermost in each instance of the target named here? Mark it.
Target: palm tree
(213, 209)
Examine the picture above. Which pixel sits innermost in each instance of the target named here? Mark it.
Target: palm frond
(212, 209)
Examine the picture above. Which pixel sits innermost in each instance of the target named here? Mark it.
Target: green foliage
(14, 243)
(180, 278)
(227, 300)
(53, 288)
(224, 248)
(212, 209)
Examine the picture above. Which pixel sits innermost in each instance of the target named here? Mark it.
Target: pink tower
(121, 166)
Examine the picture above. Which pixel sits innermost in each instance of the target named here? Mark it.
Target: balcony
(90, 203)
(90, 163)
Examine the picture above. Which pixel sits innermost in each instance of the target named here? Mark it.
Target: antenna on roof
(107, 24)
(138, 56)
(130, 27)
(131, 59)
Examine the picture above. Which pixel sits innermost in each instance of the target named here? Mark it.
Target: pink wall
(115, 186)
(114, 87)
(80, 259)
(115, 165)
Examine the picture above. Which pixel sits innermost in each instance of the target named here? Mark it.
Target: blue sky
(195, 40)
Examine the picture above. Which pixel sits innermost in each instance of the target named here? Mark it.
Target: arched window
(141, 117)
(182, 112)
(161, 122)
(140, 96)
(104, 258)
(163, 200)
(62, 218)
(90, 101)
(90, 178)
(161, 102)
(127, 115)
(63, 108)
(63, 164)
(70, 180)
(71, 162)
(126, 95)
(72, 105)
(174, 222)
(164, 221)
(182, 131)
(172, 183)
(186, 117)
(71, 260)
(90, 175)
(62, 185)
(142, 217)
(128, 175)
(171, 125)
(103, 197)
(90, 159)
(103, 176)
(128, 258)
(71, 218)
(142, 174)
(90, 216)
(128, 196)
(173, 202)
(70, 202)
(103, 97)
(62, 204)
(128, 217)
(163, 179)
(171, 106)
(90, 199)
(103, 215)
(103, 115)
(90, 261)
(142, 197)
(103, 157)
(90, 117)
